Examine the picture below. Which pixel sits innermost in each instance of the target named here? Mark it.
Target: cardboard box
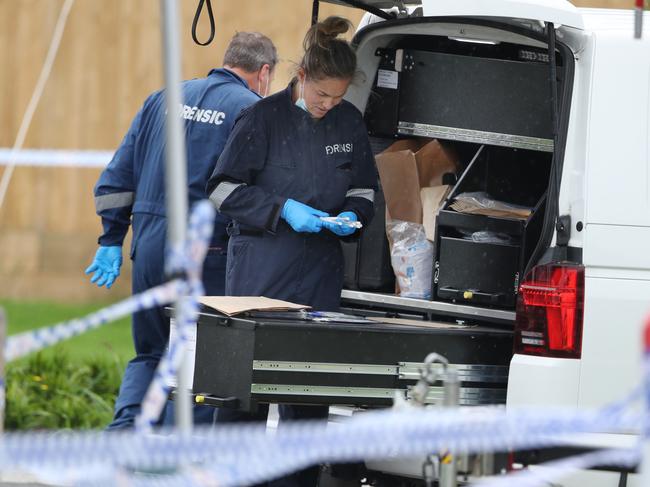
(405, 168)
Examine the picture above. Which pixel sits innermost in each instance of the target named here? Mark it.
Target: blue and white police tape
(190, 259)
(31, 341)
(245, 454)
(550, 472)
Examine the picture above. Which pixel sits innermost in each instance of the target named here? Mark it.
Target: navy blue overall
(278, 151)
(131, 190)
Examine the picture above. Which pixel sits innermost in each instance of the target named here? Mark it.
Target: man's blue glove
(106, 265)
(301, 217)
(342, 230)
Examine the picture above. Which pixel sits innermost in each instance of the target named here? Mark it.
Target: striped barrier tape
(55, 158)
(189, 260)
(233, 455)
(32, 341)
(550, 472)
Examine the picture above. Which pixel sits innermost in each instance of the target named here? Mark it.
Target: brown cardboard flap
(432, 199)
(433, 161)
(233, 305)
(399, 180)
(406, 167)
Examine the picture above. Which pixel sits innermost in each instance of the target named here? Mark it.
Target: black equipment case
(242, 362)
(488, 272)
(367, 259)
(485, 100)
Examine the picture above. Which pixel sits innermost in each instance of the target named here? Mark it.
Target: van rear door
(559, 12)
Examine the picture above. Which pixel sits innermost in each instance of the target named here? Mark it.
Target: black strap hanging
(199, 8)
(314, 12)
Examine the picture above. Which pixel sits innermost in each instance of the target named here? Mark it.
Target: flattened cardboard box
(234, 305)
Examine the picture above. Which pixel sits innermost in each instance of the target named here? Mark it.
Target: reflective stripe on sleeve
(368, 194)
(222, 191)
(113, 200)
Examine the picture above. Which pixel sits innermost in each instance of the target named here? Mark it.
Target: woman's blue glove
(301, 217)
(106, 265)
(342, 230)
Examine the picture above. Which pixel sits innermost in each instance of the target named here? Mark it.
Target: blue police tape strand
(189, 258)
(31, 341)
(244, 454)
(55, 157)
(550, 472)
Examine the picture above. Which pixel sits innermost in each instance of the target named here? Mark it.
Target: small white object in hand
(342, 221)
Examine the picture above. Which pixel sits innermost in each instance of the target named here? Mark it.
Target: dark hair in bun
(326, 56)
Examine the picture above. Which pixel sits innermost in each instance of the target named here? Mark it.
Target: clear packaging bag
(412, 258)
(485, 236)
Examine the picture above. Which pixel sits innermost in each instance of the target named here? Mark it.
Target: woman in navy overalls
(291, 159)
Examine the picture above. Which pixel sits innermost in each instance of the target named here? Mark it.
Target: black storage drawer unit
(493, 268)
(464, 97)
(253, 361)
(488, 272)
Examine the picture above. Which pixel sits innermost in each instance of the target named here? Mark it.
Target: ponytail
(327, 56)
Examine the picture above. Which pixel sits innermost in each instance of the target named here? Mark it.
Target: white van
(476, 75)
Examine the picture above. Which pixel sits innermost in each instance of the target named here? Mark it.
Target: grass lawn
(112, 339)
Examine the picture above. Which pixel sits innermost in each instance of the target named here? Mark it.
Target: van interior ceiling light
(472, 40)
(195, 22)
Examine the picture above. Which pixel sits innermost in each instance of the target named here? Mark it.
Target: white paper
(387, 79)
(190, 351)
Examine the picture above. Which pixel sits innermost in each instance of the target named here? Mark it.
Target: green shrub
(53, 391)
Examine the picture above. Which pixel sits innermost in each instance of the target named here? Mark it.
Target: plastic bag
(412, 258)
(485, 236)
(481, 203)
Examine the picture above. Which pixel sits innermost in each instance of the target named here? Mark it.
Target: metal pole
(175, 180)
(448, 469)
(638, 19)
(3, 381)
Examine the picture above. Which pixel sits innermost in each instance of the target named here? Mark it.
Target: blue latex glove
(301, 217)
(342, 230)
(106, 265)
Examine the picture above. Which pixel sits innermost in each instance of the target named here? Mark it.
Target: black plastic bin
(488, 272)
(367, 260)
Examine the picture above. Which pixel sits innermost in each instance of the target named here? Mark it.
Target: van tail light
(549, 311)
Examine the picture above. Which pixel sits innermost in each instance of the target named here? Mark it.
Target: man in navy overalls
(131, 190)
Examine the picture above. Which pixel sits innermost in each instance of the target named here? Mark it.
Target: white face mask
(300, 102)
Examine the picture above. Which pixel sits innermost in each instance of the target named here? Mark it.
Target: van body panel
(611, 342)
(556, 381)
(618, 248)
(592, 478)
(617, 179)
(572, 187)
(560, 12)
